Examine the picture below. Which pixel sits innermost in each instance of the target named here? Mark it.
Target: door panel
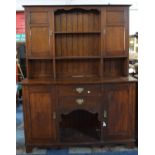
(118, 107)
(118, 112)
(115, 40)
(116, 32)
(39, 33)
(41, 105)
(40, 115)
(115, 16)
(38, 17)
(40, 41)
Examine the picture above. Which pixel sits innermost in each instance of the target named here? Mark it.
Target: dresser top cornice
(83, 5)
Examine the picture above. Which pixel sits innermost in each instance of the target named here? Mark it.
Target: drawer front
(81, 102)
(75, 90)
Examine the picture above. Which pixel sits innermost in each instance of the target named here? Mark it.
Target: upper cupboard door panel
(39, 39)
(116, 36)
(115, 16)
(38, 17)
(115, 40)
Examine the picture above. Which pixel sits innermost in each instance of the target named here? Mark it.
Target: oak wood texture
(116, 33)
(39, 114)
(78, 33)
(121, 102)
(78, 92)
(40, 69)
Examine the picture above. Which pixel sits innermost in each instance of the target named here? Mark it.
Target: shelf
(40, 68)
(38, 24)
(79, 80)
(40, 58)
(77, 57)
(95, 32)
(115, 57)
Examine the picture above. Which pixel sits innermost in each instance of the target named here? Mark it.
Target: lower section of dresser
(79, 115)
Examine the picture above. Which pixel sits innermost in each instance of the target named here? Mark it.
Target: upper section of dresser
(77, 42)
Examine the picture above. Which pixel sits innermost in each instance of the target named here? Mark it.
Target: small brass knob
(88, 91)
(79, 101)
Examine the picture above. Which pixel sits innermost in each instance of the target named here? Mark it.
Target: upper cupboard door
(116, 36)
(39, 40)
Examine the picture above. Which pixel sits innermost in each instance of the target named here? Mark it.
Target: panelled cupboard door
(116, 32)
(119, 116)
(41, 108)
(39, 35)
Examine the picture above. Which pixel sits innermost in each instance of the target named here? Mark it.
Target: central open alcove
(80, 126)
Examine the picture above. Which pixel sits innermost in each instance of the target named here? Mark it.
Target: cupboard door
(119, 112)
(41, 108)
(115, 40)
(116, 32)
(39, 40)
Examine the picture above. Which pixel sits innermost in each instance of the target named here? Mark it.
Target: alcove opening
(80, 126)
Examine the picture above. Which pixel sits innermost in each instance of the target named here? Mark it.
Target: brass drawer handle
(79, 101)
(79, 90)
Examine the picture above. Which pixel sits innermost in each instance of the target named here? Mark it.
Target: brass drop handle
(79, 90)
(104, 124)
(105, 114)
(79, 101)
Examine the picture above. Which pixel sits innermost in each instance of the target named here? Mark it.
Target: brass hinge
(124, 39)
(104, 31)
(51, 33)
(54, 115)
(30, 33)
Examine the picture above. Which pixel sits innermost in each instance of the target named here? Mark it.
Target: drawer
(80, 102)
(74, 90)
